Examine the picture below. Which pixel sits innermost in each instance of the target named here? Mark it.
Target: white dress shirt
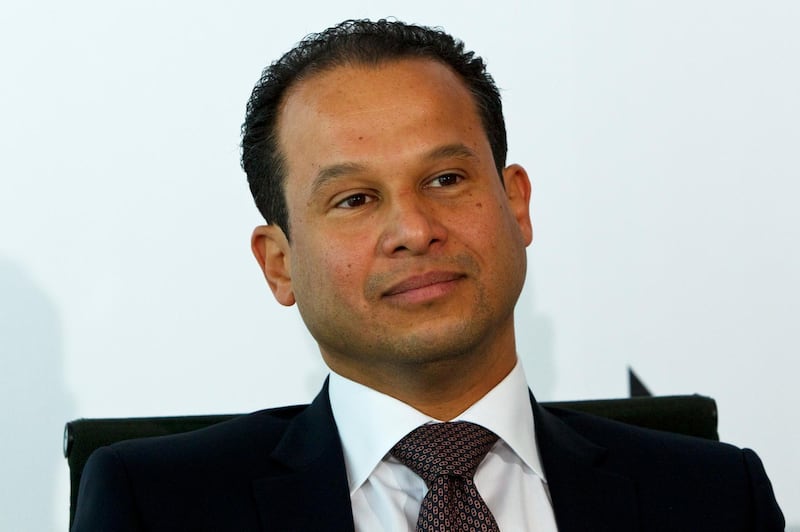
(386, 495)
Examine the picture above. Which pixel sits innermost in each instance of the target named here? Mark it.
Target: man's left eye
(445, 180)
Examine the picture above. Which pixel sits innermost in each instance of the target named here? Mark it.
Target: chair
(694, 415)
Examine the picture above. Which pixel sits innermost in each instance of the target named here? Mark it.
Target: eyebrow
(451, 151)
(338, 170)
(334, 171)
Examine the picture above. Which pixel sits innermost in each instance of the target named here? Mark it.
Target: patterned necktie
(446, 456)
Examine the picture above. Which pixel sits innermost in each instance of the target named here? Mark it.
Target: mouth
(423, 288)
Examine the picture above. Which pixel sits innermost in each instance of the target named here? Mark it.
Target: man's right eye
(356, 200)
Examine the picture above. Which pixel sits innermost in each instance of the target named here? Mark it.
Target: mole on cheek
(479, 204)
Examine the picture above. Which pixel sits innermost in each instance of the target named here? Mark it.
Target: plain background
(662, 139)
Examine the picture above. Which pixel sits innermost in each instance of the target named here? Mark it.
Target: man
(376, 152)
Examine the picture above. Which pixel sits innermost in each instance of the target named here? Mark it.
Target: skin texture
(407, 253)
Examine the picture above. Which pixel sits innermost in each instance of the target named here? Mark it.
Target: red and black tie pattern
(446, 456)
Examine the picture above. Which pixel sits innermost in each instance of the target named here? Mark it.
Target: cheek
(492, 234)
(341, 269)
(326, 267)
(484, 220)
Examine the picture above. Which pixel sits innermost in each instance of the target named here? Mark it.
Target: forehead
(369, 111)
(351, 81)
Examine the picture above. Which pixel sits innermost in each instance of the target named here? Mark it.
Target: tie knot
(439, 449)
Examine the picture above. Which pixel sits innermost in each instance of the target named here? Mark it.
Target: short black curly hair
(362, 42)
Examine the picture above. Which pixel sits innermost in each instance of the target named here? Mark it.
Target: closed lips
(421, 281)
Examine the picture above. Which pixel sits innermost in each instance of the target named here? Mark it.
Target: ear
(518, 191)
(271, 249)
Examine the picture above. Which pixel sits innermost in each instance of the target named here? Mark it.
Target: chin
(438, 344)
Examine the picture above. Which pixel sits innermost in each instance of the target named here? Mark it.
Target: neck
(451, 392)
(442, 388)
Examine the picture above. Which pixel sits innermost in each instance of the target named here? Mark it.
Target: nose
(413, 227)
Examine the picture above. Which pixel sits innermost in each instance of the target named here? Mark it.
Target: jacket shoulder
(167, 482)
(672, 473)
(240, 435)
(642, 448)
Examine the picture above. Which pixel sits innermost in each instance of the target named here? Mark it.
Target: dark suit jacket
(283, 469)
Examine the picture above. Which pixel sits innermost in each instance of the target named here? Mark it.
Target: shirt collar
(370, 423)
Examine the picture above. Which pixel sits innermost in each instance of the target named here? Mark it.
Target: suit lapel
(313, 493)
(585, 496)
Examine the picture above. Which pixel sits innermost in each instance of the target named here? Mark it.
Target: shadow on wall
(35, 402)
(535, 335)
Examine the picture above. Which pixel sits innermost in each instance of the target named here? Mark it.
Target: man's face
(405, 246)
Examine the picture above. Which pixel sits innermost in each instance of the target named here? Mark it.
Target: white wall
(662, 140)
